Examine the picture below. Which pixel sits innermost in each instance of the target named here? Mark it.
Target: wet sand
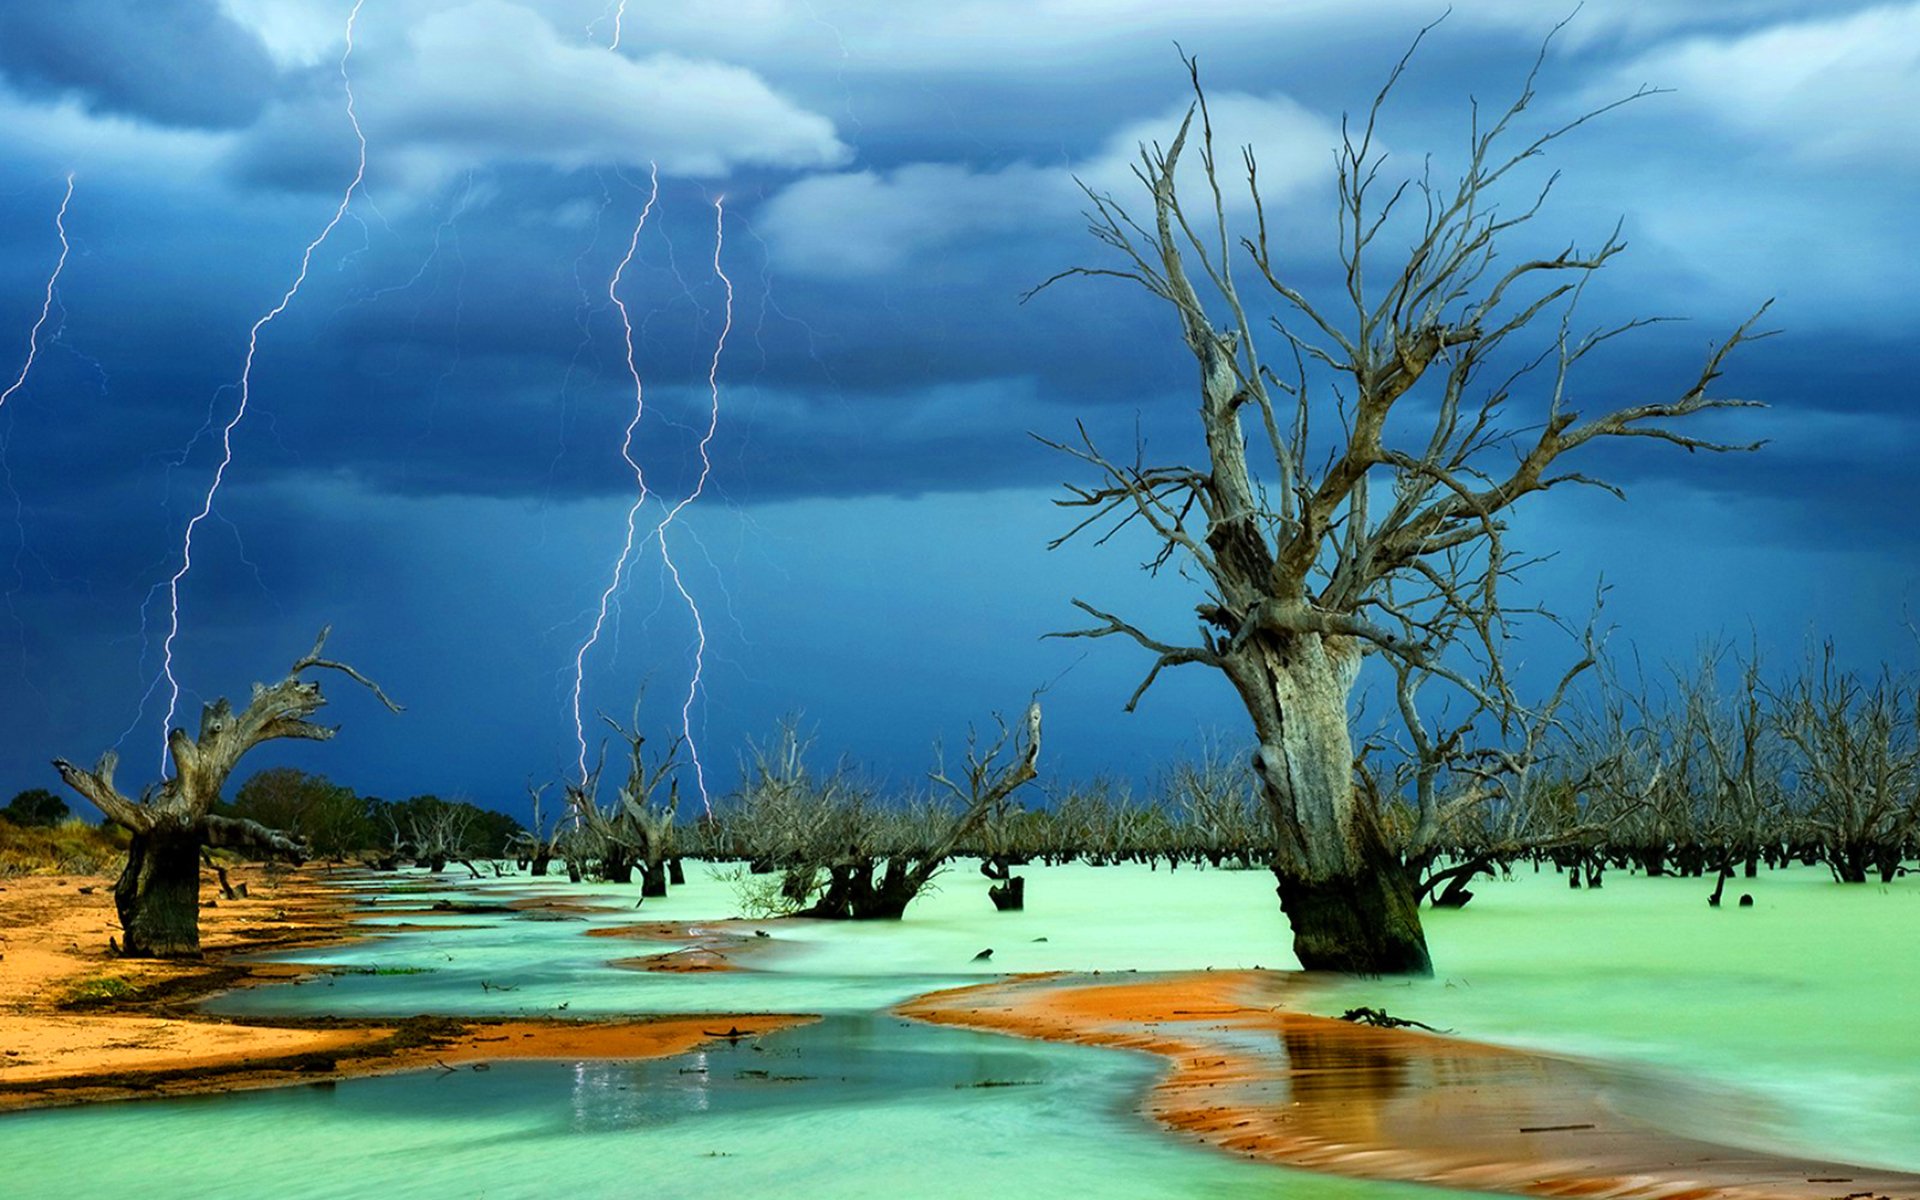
(709, 945)
(78, 1024)
(69, 1007)
(1250, 1077)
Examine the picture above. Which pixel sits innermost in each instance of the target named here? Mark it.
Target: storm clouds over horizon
(433, 460)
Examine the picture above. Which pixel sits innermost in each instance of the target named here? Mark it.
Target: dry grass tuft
(75, 848)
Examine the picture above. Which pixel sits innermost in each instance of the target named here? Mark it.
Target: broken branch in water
(1379, 1018)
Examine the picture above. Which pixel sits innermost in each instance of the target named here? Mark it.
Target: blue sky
(432, 462)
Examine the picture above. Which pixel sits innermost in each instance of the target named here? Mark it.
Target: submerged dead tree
(158, 894)
(987, 808)
(878, 878)
(1366, 523)
(844, 854)
(535, 846)
(1856, 758)
(635, 832)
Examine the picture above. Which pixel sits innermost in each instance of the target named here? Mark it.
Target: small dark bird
(984, 955)
(761, 933)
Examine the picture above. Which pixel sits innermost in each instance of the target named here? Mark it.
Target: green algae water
(1785, 1026)
(1793, 1023)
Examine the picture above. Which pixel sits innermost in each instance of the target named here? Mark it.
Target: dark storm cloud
(432, 458)
(172, 62)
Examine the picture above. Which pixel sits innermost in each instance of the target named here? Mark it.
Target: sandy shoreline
(1254, 1078)
(78, 1024)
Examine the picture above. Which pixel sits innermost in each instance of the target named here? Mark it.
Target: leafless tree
(842, 852)
(536, 845)
(1458, 791)
(1742, 763)
(985, 795)
(1372, 524)
(1217, 799)
(158, 894)
(641, 821)
(439, 832)
(1856, 760)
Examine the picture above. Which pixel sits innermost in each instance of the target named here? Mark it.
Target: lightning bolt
(46, 305)
(639, 474)
(700, 486)
(619, 17)
(19, 381)
(246, 385)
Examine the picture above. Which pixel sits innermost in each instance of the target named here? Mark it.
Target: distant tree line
(1714, 770)
(35, 808)
(337, 824)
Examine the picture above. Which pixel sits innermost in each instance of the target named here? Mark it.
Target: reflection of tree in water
(1367, 1088)
(1343, 1080)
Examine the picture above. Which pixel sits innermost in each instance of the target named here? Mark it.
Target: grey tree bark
(158, 893)
(1360, 529)
(635, 832)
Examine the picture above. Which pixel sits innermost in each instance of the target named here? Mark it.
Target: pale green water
(1804, 1011)
(1789, 1025)
(1093, 919)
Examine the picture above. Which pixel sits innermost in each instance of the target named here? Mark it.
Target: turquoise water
(853, 1107)
(1078, 918)
(1787, 1025)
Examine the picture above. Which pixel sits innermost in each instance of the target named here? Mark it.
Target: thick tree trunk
(616, 865)
(863, 890)
(1348, 896)
(653, 880)
(158, 894)
(1365, 923)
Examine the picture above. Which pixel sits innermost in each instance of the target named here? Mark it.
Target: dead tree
(1215, 797)
(1856, 759)
(1461, 791)
(158, 894)
(646, 825)
(986, 805)
(1745, 766)
(634, 832)
(1372, 527)
(536, 845)
(439, 832)
(845, 856)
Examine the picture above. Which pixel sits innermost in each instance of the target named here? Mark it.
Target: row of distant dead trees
(1713, 771)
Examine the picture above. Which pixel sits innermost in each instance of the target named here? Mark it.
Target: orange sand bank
(78, 1024)
(1323, 1094)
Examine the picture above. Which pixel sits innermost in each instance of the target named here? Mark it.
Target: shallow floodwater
(852, 1107)
(1796, 1023)
(1785, 1026)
